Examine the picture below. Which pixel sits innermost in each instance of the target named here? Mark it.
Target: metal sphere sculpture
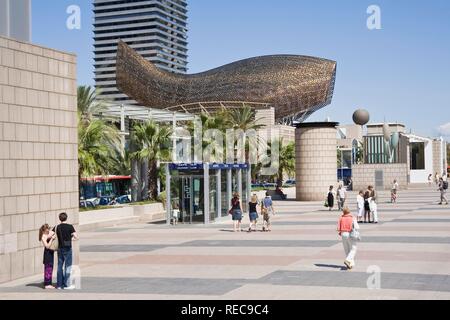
(361, 117)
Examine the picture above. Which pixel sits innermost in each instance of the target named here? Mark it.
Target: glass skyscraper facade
(15, 19)
(157, 29)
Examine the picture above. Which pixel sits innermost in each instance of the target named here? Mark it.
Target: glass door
(197, 196)
(186, 198)
(224, 194)
(213, 197)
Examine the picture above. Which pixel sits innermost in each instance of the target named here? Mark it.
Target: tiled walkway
(301, 258)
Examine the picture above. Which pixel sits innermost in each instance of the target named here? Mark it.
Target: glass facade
(375, 150)
(224, 194)
(156, 29)
(202, 196)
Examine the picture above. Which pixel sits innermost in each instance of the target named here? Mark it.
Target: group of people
(266, 210)
(341, 196)
(367, 205)
(58, 239)
(442, 185)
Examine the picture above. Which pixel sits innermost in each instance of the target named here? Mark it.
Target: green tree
(99, 147)
(286, 161)
(242, 118)
(152, 142)
(88, 104)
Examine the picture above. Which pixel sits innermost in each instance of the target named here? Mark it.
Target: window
(417, 156)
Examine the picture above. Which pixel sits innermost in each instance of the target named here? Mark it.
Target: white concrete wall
(421, 176)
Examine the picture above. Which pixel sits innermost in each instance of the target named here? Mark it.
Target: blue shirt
(267, 202)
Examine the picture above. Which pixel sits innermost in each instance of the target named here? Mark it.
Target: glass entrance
(213, 197)
(190, 184)
(187, 198)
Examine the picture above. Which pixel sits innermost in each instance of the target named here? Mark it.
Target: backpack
(445, 185)
(54, 246)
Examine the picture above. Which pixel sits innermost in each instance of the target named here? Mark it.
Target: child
(394, 191)
(266, 217)
(360, 205)
(46, 237)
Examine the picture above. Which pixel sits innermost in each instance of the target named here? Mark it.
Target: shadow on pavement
(35, 285)
(331, 266)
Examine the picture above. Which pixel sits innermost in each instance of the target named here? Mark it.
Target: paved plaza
(302, 258)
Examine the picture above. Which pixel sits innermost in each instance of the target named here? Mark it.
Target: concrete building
(38, 151)
(413, 161)
(266, 117)
(15, 19)
(157, 29)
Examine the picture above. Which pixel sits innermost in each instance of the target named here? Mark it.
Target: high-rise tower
(157, 29)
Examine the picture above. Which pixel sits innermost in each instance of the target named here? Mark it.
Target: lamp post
(361, 117)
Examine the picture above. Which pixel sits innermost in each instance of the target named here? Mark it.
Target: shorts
(237, 215)
(253, 216)
(267, 217)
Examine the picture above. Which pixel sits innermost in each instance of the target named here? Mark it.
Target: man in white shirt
(342, 195)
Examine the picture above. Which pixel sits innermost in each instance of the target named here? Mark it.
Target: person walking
(360, 205)
(430, 179)
(436, 178)
(394, 191)
(373, 204)
(253, 213)
(66, 234)
(236, 212)
(46, 236)
(267, 210)
(443, 187)
(348, 230)
(342, 196)
(330, 198)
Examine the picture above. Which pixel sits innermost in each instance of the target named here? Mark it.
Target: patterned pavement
(302, 258)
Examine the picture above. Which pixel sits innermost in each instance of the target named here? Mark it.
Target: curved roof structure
(295, 86)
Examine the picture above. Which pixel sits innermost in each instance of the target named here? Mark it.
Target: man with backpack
(443, 187)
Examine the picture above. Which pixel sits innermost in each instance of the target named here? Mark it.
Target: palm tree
(88, 105)
(242, 118)
(152, 142)
(285, 161)
(98, 143)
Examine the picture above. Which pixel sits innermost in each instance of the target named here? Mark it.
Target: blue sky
(399, 73)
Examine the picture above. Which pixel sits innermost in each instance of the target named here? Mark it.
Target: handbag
(354, 234)
(55, 243)
(326, 204)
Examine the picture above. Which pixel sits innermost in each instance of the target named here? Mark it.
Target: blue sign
(185, 166)
(214, 166)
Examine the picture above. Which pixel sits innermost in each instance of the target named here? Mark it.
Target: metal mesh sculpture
(295, 86)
